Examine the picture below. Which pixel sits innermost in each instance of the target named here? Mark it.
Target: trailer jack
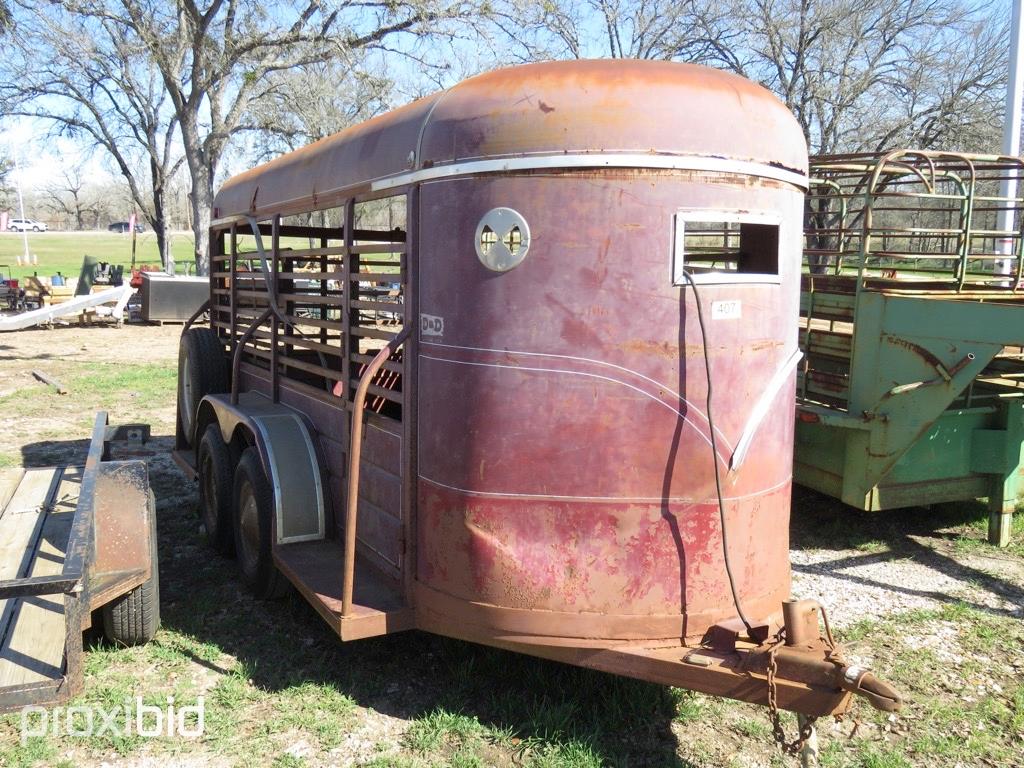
(799, 653)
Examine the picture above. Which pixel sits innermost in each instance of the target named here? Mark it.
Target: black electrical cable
(714, 455)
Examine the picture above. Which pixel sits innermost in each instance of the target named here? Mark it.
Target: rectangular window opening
(722, 246)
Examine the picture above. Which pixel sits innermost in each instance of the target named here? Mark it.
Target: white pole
(21, 206)
(1011, 137)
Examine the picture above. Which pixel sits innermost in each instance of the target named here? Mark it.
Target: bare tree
(71, 199)
(208, 58)
(214, 57)
(865, 74)
(6, 193)
(89, 78)
(857, 74)
(301, 105)
(621, 29)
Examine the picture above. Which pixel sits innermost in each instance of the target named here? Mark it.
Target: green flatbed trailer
(911, 391)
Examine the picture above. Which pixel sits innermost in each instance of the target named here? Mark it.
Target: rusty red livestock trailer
(515, 364)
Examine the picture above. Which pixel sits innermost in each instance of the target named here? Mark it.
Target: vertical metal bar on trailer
(410, 315)
(355, 449)
(1011, 135)
(346, 321)
(233, 289)
(272, 293)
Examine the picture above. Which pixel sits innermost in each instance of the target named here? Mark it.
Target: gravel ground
(855, 585)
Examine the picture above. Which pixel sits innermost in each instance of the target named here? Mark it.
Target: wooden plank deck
(34, 528)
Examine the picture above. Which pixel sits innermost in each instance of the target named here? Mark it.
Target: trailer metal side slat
(376, 277)
(387, 247)
(299, 365)
(389, 365)
(378, 306)
(372, 333)
(332, 300)
(303, 343)
(338, 275)
(309, 254)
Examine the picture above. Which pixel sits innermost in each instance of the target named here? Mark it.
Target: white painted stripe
(675, 395)
(660, 402)
(760, 409)
(619, 499)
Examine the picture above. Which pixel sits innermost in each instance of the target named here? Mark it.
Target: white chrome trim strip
(553, 162)
(594, 160)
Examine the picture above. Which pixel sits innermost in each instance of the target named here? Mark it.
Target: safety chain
(833, 654)
(789, 747)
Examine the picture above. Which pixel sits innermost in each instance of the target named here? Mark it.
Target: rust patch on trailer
(122, 517)
(917, 349)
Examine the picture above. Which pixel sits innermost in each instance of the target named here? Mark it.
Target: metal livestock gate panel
(912, 325)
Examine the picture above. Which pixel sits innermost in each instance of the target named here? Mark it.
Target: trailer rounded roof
(610, 110)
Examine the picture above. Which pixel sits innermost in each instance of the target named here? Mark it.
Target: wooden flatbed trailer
(73, 540)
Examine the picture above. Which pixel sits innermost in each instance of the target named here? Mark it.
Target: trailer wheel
(253, 527)
(202, 371)
(133, 618)
(215, 490)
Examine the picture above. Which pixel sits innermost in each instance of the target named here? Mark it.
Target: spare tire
(202, 371)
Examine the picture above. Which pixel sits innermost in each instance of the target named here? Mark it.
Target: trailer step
(316, 568)
(34, 530)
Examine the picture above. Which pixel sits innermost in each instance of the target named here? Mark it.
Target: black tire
(133, 618)
(253, 526)
(35, 229)
(202, 371)
(213, 460)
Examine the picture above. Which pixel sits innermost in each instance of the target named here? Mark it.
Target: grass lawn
(63, 251)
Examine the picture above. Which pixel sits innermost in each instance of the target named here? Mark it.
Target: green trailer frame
(911, 390)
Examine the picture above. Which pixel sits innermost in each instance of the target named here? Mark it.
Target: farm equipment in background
(912, 308)
(136, 274)
(12, 295)
(97, 275)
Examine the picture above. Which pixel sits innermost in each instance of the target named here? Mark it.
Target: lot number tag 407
(726, 310)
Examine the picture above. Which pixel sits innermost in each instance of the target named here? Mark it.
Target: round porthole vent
(502, 239)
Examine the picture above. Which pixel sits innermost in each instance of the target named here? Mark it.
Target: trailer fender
(289, 456)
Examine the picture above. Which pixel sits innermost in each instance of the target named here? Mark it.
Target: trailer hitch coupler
(879, 693)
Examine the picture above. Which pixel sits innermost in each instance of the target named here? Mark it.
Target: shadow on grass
(820, 522)
(51, 453)
(554, 708)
